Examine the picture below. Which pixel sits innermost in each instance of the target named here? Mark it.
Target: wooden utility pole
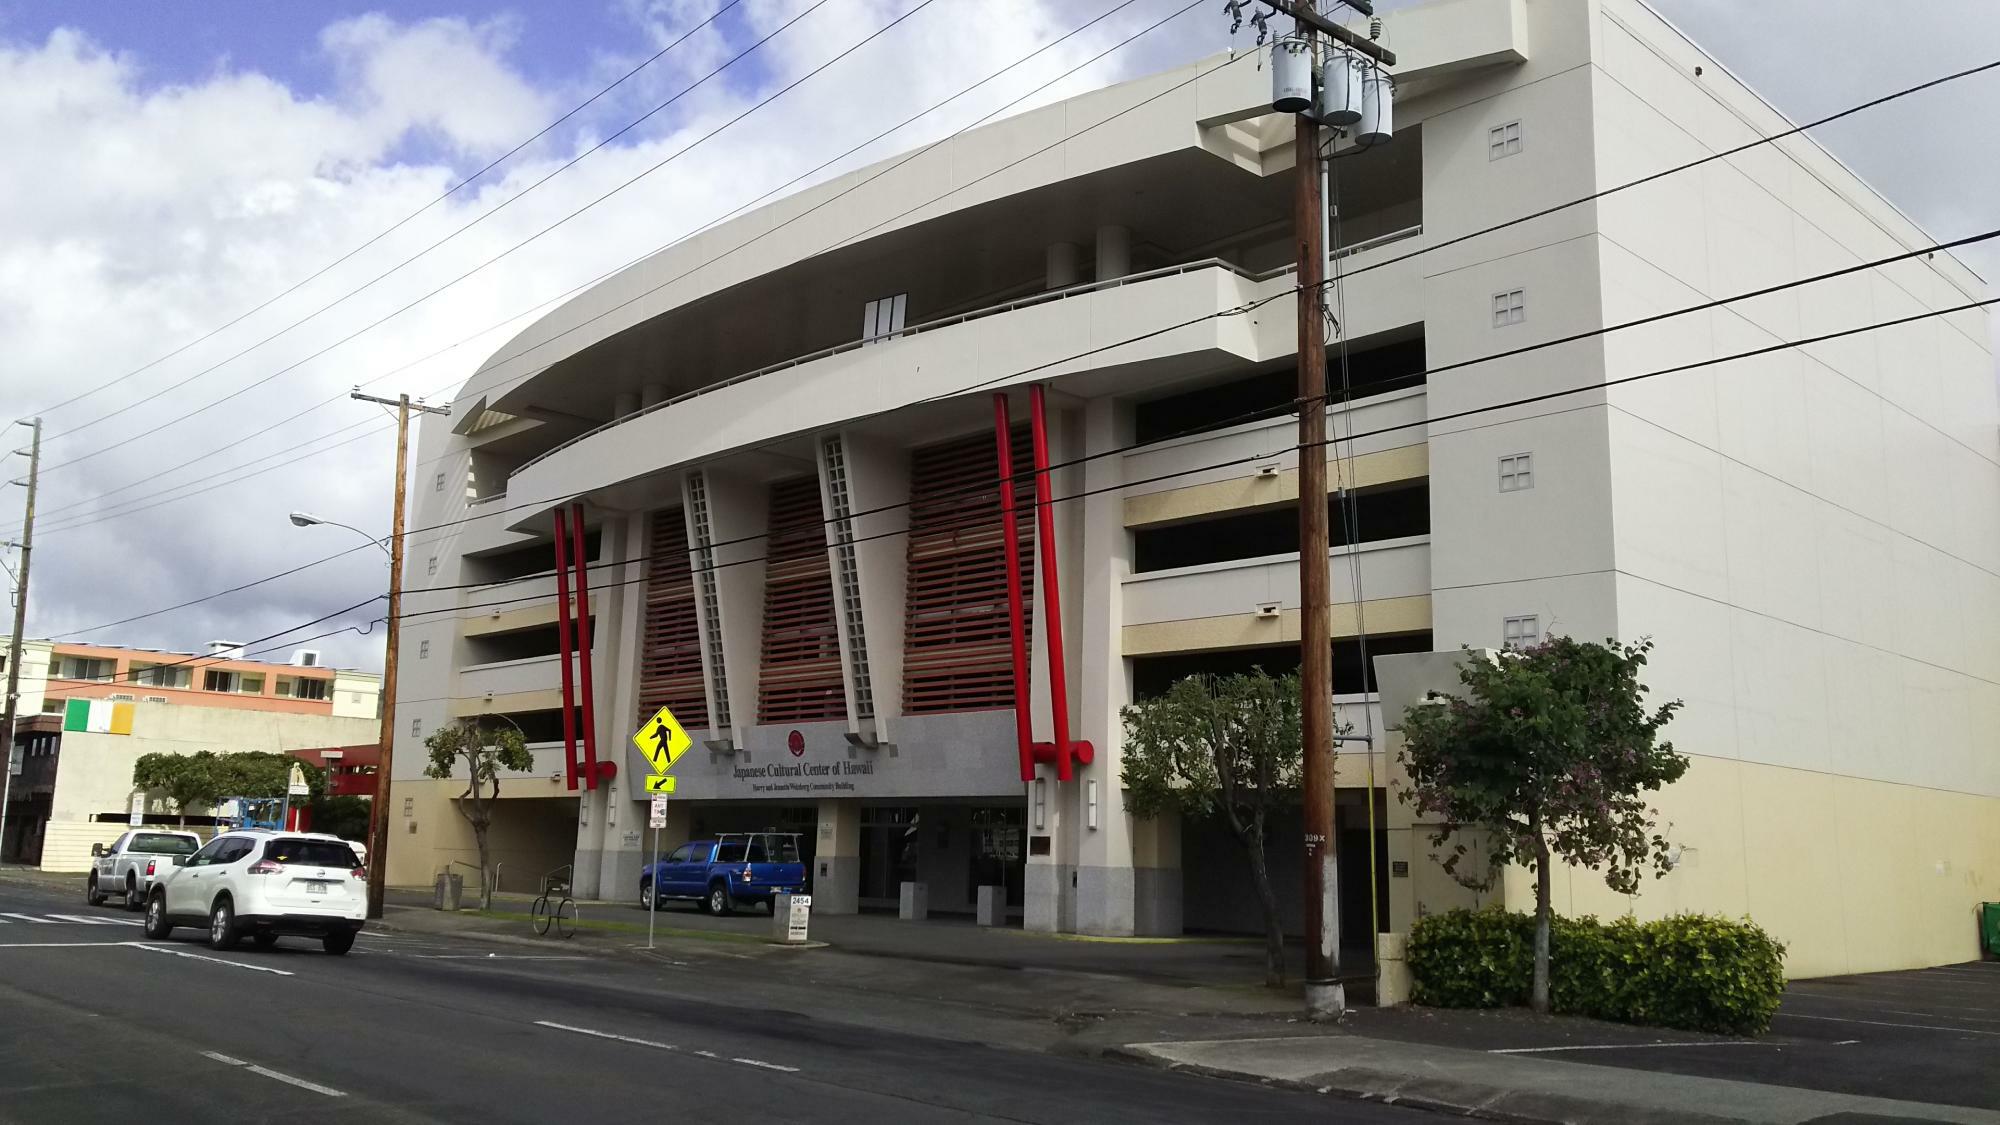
(378, 836)
(1324, 994)
(20, 625)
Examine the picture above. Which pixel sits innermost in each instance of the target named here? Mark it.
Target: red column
(1045, 535)
(562, 642)
(582, 562)
(1017, 630)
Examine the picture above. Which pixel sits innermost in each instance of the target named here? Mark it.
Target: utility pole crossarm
(1306, 16)
(399, 403)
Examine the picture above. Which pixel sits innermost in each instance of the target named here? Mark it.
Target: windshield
(310, 853)
(164, 843)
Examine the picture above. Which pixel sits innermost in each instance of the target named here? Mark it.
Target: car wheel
(264, 940)
(338, 942)
(222, 925)
(718, 900)
(156, 917)
(91, 894)
(646, 900)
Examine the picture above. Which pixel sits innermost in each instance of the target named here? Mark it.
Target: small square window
(439, 487)
(1509, 308)
(432, 567)
(423, 650)
(1520, 632)
(416, 728)
(1503, 140)
(1517, 472)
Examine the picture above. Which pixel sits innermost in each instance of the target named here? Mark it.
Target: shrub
(1689, 971)
(1472, 958)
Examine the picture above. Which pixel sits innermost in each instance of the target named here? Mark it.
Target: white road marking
(65, 944)
(84, 920)
(607, 1035)
(26, 918)
(272, 1074)
(491, 957)
(595, 1034)
(204, 957)
(1630, 1046)
(1886, 1023)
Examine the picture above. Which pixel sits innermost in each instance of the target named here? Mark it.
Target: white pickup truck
(132, 863)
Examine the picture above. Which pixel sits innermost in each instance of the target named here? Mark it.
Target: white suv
(265, 884)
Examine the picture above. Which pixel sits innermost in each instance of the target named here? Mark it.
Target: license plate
(315, 888)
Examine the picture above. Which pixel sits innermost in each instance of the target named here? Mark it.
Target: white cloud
(153, 215)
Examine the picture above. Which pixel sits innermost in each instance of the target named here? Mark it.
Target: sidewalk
(1519, 1088)
(1205, 962)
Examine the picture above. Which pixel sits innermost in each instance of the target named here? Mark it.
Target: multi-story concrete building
(782, 434)
(89, 712)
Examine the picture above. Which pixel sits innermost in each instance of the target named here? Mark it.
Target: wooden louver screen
(956, 653)
(670, 640)
(799, 679)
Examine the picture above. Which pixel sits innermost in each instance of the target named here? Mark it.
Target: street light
(306, 519)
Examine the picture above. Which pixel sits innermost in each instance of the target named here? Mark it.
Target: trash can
(1989, 928)
(449, 892)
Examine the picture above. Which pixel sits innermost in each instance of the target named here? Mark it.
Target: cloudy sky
(173, 168)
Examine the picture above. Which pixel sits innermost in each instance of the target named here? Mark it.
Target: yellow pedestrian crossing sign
(662, 740)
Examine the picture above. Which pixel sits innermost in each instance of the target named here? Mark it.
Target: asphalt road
(98, 1025)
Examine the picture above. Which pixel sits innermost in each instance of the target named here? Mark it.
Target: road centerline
(278, 1076)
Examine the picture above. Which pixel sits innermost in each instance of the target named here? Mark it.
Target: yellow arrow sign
(662, 741)
(664, 783)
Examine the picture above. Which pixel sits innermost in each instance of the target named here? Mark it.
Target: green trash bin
(1989, 927)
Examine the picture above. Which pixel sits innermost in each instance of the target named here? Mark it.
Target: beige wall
(94, 771)
(1852, 875)
(529, 837)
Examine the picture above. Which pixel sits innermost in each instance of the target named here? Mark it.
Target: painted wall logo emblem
(796, 743)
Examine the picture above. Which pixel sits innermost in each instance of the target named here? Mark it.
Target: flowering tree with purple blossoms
(1550, 750)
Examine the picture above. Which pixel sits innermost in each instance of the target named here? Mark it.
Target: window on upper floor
(301, 687)
(1517, 472)
(1509, 308)
(423, 650)
(882, 317)
(53, 706)
(1370, 369)
(163, 675)
(1391, 512)
(1520, 632)
(85, 668)
(1352, 675)
(439, 486)
(240, 683)
(1503, 140)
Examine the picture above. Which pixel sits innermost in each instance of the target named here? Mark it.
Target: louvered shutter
(670, 641)
(799, 680)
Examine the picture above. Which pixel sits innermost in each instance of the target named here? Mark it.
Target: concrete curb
(1439, 1095)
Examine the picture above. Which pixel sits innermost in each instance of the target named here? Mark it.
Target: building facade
(783, 439)
(89, 712)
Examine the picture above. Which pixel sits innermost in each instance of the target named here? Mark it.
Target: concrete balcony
(1393, 419)
(509, 677)
(1391, 568)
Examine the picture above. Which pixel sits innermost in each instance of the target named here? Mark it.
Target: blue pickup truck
(734, 869)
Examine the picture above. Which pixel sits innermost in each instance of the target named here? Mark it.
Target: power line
(768, 194)
(922, 4)
(1254, 458)
(1252, 305)
(400, 223)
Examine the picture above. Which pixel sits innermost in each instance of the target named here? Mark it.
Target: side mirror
(96, 851)
(180, 861)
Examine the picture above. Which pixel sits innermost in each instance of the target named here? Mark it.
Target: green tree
(1549, 749)
(1227, 745)
(480, 751)
(186, 779)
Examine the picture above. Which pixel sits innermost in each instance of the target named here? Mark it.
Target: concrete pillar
(1114, 252)
(837, 858)
(624, 403)
(915, 902)
(1063, 270)
(992, 906)
(652, 394)
(1056, 811)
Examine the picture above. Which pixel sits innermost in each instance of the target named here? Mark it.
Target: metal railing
(965, 317)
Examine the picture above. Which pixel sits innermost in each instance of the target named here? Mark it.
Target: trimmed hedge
(1692, 971)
